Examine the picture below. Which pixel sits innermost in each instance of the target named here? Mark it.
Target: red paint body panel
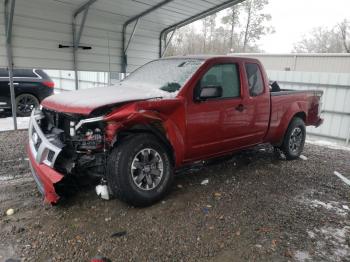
(46, 177)
(201, 130)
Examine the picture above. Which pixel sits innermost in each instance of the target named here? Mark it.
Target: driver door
(213, 122)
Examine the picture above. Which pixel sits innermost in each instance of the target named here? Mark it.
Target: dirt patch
(255, 207)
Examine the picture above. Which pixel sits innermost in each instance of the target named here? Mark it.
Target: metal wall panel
(37, 34)
(64, 79)
(41, 25)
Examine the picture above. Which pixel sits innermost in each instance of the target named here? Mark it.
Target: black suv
(31, 87)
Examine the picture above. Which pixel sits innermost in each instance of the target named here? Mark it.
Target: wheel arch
(28, 93)
(154, 128)
(300, 114)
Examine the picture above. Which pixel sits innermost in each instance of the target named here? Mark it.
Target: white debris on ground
(205, 182)
(6, 123)
(10, 212)
(345, 180)
(330, 242)
(302, 256)
(332, 206)
(328, 144)
(303, 157)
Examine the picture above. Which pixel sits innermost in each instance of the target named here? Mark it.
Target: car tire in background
(294, 139)
(140, 170)
(25, 103)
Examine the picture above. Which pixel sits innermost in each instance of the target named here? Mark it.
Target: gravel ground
(256, 207)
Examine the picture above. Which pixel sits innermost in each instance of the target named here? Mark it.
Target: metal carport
(93, 35)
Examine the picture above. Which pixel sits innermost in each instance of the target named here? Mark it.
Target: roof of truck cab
(209, 57)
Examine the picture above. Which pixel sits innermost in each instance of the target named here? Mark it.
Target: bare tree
(205, 25)
(232, 19)
(254, 25)
(344, 28)
(321, 40)
(235, 33)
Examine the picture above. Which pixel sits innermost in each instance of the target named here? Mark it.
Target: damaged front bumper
(43, 152)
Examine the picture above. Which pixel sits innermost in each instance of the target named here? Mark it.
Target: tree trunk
(247, 28)
(232, 30)
(204, 43)
(343, 30)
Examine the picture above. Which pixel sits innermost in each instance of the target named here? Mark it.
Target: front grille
(37, 144)
(50, 155)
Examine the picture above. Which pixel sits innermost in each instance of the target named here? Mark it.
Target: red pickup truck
(171, 112)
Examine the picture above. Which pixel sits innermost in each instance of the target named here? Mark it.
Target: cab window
(226, 76)
(255, 81)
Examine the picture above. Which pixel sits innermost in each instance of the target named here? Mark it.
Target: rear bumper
(42, 155)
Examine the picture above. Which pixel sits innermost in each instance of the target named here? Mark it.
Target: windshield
(167, 75)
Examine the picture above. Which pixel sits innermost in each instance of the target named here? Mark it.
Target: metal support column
(131, 20)
(77, 35)
(167, 42)
(131, 36)
(9, 10)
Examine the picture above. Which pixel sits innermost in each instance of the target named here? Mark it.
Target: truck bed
(283, 92)
(286, 101)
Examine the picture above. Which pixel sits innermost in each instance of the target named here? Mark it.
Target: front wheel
(140, 170)
(294, 139)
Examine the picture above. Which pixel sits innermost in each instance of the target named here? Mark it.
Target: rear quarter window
(24, 73)
(255, 80)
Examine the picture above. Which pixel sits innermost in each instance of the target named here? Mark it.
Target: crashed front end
(66, 151)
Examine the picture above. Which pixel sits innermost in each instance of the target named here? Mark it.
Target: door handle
(14, 83)
(240, 108)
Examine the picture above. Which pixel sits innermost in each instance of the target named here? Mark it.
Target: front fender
(130, 117)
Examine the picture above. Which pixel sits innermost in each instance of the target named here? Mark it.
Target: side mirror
(209, 92)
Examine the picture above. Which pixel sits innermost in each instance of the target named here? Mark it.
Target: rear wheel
(294, 139)
(140, 170)
(25, 103)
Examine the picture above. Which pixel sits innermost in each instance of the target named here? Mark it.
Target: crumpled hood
(87, 100)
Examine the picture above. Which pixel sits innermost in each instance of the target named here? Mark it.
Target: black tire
(294, 139)
(25, 103)
(121, 176)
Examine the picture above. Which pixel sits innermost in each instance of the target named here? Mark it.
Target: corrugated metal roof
(41, 25)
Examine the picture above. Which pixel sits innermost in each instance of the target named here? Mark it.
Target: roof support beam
(9, 10)
(77, 35)
(125, 26)
(194, 18)
(132, 35)
(167, 43)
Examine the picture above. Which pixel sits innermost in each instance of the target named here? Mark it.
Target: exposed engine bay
(83, 148)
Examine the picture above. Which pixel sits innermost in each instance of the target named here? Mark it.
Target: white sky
(294, 18)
